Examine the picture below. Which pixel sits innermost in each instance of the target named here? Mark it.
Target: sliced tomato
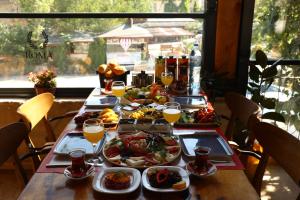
(112, 152)
(173, 150)
(171, 142)
(137, 149)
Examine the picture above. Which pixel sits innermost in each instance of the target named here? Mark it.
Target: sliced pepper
(162, 176)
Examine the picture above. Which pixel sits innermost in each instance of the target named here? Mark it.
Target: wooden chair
(11, 137)
(281, 146)
(241, 109)
(32, 112)
(36, 109)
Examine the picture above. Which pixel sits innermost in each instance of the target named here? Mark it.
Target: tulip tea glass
(201, 157)
(78, 167)
(93, 131)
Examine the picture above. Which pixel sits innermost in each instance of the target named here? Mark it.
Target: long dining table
(228, 183)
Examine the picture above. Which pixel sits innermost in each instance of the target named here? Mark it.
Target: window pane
(108, 6)
(276, 28)
(76, 47)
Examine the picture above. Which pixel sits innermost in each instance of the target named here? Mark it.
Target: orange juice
(167, 80)
(93, 133)
(118, 90)
(171, 115)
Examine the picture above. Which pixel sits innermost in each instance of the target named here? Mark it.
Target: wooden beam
(227, 37)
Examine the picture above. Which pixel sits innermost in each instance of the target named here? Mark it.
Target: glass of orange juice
(93, 131)
(171, 112)
(118, 89)
(166, 78)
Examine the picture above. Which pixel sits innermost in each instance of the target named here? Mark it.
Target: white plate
(211, 171)
(98, 182)
(182, 172)
(68, 174)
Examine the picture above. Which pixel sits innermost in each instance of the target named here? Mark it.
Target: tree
(276, 31)
(276, 28)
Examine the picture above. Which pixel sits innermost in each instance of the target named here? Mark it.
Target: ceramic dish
(182, 173)
(135, 180)
(141, 150)
(108, 117)
(90, 171)
(212, 169)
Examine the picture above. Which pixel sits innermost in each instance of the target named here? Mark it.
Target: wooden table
(224, 185)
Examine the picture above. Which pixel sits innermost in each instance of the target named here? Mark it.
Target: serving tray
(153, 126)
(220, 150)
(197, 125)
(101, 102)
(190, 101)
(75, 140)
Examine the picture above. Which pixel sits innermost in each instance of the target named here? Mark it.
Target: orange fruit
(102, 68)
(109, 74)
(179, 185)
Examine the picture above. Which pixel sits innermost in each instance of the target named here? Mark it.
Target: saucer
(212, 169)
(90, 171)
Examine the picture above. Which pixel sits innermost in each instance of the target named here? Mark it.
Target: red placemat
(43, 167)
(221, 166)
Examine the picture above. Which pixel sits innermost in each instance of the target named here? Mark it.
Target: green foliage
(97, 53)
(12, 39)
(185, 6)
(276, 27)
(260, 76)
(276, 31)
(60, 56)
(274, 116)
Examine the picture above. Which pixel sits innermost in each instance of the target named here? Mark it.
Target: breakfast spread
(141, 149)
(147, 95)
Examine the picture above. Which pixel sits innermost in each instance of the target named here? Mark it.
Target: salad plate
(177, 179)
(141, 149)
(147, 95)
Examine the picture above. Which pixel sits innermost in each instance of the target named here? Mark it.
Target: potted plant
(44, 81)
(262, 77)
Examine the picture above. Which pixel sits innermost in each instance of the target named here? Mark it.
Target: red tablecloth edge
(47, 159)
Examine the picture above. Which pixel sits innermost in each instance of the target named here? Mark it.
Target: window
(276, 28)
(276, 32)
(80, 35)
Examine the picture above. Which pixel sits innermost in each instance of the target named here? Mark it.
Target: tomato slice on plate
(112, 152)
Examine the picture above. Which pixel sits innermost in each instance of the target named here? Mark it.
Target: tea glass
(78, 167)
(201, 157)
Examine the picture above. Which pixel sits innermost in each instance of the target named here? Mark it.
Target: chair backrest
(36, 108)
(281, 146)
(241, 109)
(11, 137)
